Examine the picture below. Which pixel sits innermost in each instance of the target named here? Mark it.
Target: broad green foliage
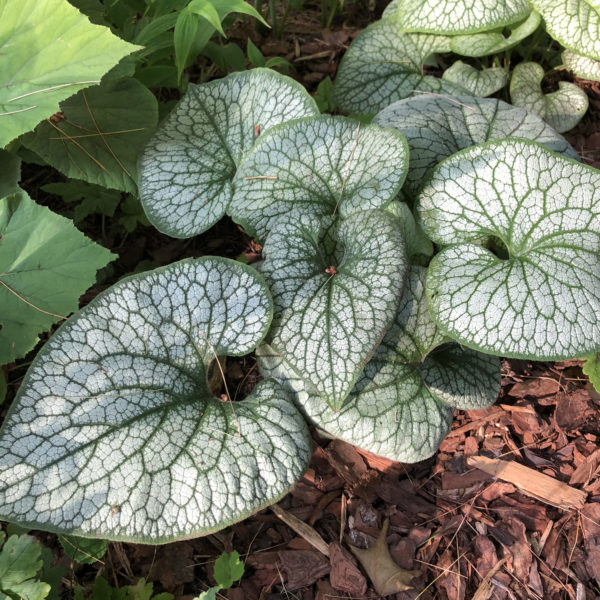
(436, 128)
(383, 65)
(321, 166)
(20, 564)
(102, 590)
(336, 287)
(541, 301)
(562, 109)
(10, 168)
(82, 550)
(45, 266)
(401, 407)
(591, 368)
(102, 134)
(228, 569)
(575, 24)
(187, 168)
(452, 17)
(49, 52)
(478, 83)
(493, 42)
(114, 432)
(418, 246)
(586, 68)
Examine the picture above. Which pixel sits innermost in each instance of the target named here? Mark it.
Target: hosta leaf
(114, 432)
(581, 66)
(542, 210)
(562, 109)
(435, 128)
(478, 83)
(49, 52)
(575, 24)
(401, 406)
(451, 17)
(187, 168)
(45, 266)
(323, 166)
(383, 65)
(102, 134)
(493, 42)
(336, 287)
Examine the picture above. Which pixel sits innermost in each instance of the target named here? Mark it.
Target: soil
(468, 533)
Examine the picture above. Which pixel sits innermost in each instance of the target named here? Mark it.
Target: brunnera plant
(115, 431)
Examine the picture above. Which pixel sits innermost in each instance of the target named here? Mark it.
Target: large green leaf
(452, 17)
(383, 65)
(20, 562)
(575, 24)
(479, 83)
(336, 287)
(322, 166)
(418, 246)
(187, 168)
(49, 52)
(493, 42)
(581, 66)
(537, 294)
(561, 109)
(45, 265)
(435, 128)
(102, 134)
(401, 407)
(114, 432)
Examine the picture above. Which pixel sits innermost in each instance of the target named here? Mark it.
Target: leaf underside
(561, 109)
(322, 166)
(493, 42)
(187, 168)
(45, 266)
(328, 322)
(114, 432)
(383, 65)
(101, 135)
(575, 24)
(49, 52)
(452, 17)
(541, 302)
(436, 128)
(401, 407)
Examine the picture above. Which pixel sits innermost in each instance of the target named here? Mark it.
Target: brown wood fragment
(587, 469)
(302, 529)
(496, 414)
(302, 567)
(345, 575)
(485, 589)
(531, 482)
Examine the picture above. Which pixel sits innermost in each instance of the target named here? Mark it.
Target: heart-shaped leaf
(383, 65)
(562, 109)
(186, 170)
(49, 52)
(537, 294)
(323, 165)
(478, 83)
(575, 24)
(115, 433)
(452, 17)
(336, 287)
(581, 66)
(101, 135)
(391, 10)
(401, 406)
(435, 128)
(493, 42)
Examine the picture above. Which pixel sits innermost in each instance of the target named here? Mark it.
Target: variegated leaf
(478, 83)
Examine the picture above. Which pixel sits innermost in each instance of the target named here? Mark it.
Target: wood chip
(531, 482)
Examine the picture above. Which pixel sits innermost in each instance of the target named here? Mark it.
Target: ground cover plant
(401, 258)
